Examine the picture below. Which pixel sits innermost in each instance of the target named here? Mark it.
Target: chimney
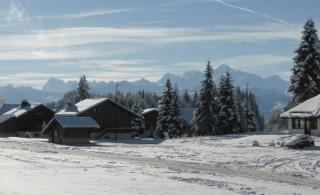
(25, 104)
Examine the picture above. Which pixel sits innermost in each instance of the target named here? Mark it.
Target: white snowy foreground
(204, 165)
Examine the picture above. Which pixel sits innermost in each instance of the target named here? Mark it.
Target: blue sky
(131, 39)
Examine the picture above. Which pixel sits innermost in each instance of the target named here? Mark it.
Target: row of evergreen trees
(218, 110)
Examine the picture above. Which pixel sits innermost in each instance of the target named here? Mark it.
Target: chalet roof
(148, 110)
(308, 108)
(17, 112)
(77, 122)
(73, 122)
(87, 104)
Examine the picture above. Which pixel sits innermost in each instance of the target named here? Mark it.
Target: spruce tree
(176, 130)
(195, 99)
(305, 79)
(83, 89)
(138, 122)
(205, 115)
(227, 116)
(186, 99)
(165, 117)
(241, 107)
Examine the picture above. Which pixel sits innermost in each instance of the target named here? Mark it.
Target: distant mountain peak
(224, 68)
(55, 85)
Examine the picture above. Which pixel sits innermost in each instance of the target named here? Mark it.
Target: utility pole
(115, 113)
(247, 105)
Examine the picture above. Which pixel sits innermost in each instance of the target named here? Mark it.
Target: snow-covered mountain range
(270, 91)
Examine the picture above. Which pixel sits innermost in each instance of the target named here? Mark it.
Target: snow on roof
(77, 122)
(145, 111)
(82, 106)
(17, 112)
(88, 104)
(6, 107)
(73, 122)
(308, 108)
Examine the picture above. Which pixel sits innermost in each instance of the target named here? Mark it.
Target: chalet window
(94, 110)
(301, 124)
(313, 123)
(296, 123)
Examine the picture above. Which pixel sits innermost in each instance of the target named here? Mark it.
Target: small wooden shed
(70, 129)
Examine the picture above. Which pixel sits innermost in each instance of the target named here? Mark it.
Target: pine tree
(195, 99)
(165, 116)
(227, 117)
(256, 121)
(83, 89)
(241, 107)
(176, 130)
(305, 79)
(138, 122)
(205, 115)
(186, 99)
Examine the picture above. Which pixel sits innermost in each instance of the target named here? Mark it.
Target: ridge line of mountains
(270, 92)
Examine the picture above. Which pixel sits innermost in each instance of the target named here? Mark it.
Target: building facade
(304, 118)
(115, 120)
(26, 120)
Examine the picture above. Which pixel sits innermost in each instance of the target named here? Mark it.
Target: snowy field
(204, 165)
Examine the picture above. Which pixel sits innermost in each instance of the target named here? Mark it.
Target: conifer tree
(83, 89)
(138, 122)
(176, 130)
(205, 115)
(227, 116)
(305, 79)
(195, 99)
(241, 109)
(165, 117)
(186, 99)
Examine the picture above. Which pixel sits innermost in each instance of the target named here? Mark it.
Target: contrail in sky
(251, 11)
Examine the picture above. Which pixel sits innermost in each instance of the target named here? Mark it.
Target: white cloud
(16, 13)
(87, 14)
(81, 42)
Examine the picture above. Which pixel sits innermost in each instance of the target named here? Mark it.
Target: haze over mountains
(270, 92)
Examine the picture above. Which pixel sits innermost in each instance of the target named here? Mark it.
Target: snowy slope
(216, 165)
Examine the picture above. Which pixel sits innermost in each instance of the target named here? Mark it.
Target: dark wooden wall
(151, 120)
(109, 115)
(8, 127)
(33, 120)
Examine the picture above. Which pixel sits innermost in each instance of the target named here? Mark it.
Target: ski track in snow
(223, 164)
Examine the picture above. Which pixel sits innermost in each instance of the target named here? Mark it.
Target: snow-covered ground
(204, 165)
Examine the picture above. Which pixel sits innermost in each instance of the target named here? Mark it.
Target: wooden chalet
(25, 120)
(70, 129)
(115, 120)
